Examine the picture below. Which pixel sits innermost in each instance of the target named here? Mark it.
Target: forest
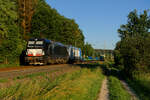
(24, 19)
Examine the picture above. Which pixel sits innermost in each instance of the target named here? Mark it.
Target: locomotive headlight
(39, 52)
(29, 53)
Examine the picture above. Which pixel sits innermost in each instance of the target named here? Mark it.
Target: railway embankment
(26, 70)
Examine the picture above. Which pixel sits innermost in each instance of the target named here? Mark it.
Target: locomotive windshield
(35, 43)
(31, 43)
(39, 43)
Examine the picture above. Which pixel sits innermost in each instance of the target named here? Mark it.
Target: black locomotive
(43, 51)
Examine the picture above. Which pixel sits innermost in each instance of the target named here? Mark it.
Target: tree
(137, 25)
(133, 50)
(26, 11)
(88, 50)
(48, 23)
(10, 43)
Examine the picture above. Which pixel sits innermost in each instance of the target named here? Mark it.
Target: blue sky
(99, 19)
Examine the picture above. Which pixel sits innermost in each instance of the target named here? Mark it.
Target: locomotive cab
(36, 51)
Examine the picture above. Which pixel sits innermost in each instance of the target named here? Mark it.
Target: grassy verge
(33, 75)
(116, 90)
(83, 84)
(141, 84)
(9, 65)
(3, 80)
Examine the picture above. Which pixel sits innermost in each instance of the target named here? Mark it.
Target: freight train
(44, 51)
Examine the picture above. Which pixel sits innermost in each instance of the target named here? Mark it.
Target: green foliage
(10, 43)
(118, 57)
(88, 50)
(8, 16)
(138, 25)
(133, 51)
(116, 90)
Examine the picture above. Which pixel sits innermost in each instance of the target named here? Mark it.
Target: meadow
(83, 84)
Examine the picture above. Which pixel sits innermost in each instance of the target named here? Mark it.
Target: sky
(99, 19)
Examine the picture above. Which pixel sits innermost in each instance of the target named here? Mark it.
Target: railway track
(55, 65)
(26, 70)
(25, 67)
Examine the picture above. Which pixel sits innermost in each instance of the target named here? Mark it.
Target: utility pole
(104, 49)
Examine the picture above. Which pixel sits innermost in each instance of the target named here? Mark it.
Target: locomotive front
(35, 52)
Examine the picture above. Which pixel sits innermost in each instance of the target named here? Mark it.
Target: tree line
(132, 52)
(24, 19)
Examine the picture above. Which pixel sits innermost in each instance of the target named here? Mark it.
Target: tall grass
(83, 84)
(116, 90)
(84, 87)
(141, 84)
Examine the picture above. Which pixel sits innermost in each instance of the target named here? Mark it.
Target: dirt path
(104, 92)
(25, 71)
(130, 91)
